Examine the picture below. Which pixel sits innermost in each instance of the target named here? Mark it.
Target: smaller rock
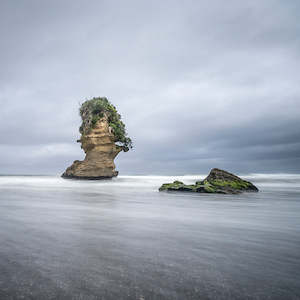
(177, 186)
(218, 182)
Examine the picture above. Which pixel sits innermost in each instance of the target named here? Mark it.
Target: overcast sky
(199, 84)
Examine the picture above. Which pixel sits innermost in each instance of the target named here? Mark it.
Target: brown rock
(100, 150)
(229, 182)
(218, 174)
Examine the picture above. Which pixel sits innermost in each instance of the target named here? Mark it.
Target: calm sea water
(122, 239)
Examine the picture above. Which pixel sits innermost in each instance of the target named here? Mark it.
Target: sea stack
(103, 137)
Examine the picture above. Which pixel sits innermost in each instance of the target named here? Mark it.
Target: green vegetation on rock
(91, 111)
(177, 186)
(218, 181)
(236, 184)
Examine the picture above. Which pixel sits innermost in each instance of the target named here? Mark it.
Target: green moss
(235, 184)
(209, 189)
(91, 111)
(178, 186)
(177, 182)
(164, 187)
(191, 187)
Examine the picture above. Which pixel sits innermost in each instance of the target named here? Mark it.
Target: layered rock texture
(218, 181)
(100, 149)
(103, 137)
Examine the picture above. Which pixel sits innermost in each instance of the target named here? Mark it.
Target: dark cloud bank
(199, 84)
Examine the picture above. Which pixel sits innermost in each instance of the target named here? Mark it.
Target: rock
(218, 181)
(103, 137)
(177, 186)
(226, 181)
(100, 150)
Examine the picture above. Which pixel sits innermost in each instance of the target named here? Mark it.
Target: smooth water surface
(122, 239)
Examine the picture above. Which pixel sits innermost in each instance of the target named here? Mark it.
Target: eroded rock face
(100, 150)
(218, 181)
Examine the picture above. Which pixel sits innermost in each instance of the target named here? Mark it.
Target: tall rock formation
(99, 144)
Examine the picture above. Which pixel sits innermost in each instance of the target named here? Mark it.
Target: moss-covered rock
(93, 110)
(218, 181)
(228, 182)
(177, 186)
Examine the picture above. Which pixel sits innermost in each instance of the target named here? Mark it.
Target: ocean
(122, 239)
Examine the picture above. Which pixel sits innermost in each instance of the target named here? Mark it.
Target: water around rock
(122, 239)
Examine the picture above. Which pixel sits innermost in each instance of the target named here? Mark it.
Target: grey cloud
(199, 84)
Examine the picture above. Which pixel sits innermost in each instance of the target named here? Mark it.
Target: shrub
(91, 111)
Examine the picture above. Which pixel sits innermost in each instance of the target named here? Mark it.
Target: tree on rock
(103, 137)
(91, 111)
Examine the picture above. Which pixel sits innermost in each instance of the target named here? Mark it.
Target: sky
(199, 84)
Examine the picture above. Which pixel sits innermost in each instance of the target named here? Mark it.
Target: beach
(122, 239)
